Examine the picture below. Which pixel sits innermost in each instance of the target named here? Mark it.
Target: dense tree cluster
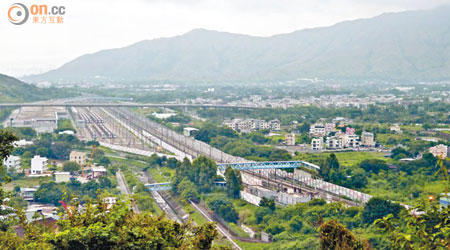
(116, 228)
(202, 173)
(223, 207)
(51, 192)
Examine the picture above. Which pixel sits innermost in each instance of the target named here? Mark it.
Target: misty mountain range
(406, 46)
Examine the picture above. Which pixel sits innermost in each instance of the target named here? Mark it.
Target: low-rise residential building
(231, 124)
(351, 141)
(275, 125)
(317, 129)
(38, 164)
(334, 142)
(396, 129)
(367, 139)
(12, 162)
(248, 125)
(289, 139)
(440, 150)
(78, 157)
(27, 193)
(329, 127)
(317, 144)
(62, 177)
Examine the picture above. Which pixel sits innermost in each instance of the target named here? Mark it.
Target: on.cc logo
(18, 14)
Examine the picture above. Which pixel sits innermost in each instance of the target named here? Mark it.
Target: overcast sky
(93, 25)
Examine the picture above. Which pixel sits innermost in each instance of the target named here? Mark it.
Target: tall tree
(234, 182)
(334, 235)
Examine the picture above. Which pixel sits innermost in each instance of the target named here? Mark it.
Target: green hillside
(13, 90)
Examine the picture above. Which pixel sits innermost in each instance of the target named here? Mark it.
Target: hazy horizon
(96, 25)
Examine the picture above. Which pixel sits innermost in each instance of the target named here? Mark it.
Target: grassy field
(163, 174)
(351, 158)
(26, 182)
(412, 127)
(193, 214)
(254, 246)
(383, 138)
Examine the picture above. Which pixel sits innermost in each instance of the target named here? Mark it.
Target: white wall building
(317, 144)
(12, 162)
(351, 141)
(334, 142)
(38, 164)
(317, 129)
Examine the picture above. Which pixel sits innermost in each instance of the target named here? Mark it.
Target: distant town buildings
(12, 162)
(249, 125)
(38, 165)
(289, 139)
(440, 150)
(78, 157)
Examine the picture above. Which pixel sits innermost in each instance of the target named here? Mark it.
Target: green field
(351, 158)
(26, 182)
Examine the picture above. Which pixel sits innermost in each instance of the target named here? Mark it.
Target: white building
(27, 193)
(367, 139)
(275, 125)
(351, 141)
(248, 125)
(38, 164)
(290, 139)
(12, 162)
(334, 142)
(317, 129)
(62, 177)
(231, 124)
(317, 144)
(440, 150)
